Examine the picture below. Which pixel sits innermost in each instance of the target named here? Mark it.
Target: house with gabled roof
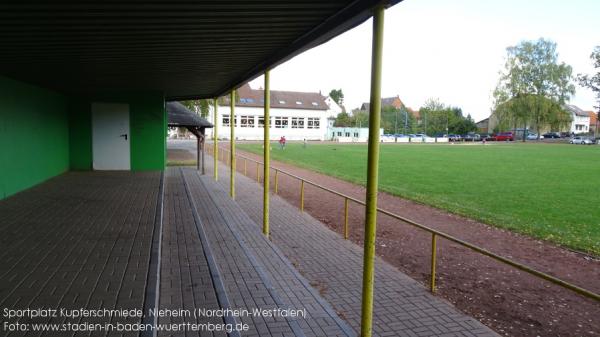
(294, 114)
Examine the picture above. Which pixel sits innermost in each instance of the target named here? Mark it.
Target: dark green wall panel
(80, 134)
(148, 132)
(34, 135)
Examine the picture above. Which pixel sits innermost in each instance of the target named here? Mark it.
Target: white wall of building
(301, 123)
(349, 134)
(580, 124)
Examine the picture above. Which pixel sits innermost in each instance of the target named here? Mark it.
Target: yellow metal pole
(346, 218)
(433, 259)
(267, 159)
(301, 195)
(276, 180)
(232, 147)
(366, 326)
(215, 143)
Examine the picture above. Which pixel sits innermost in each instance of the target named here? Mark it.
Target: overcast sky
(451, 50)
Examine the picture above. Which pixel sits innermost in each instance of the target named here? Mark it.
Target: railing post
(257, 172)
(215, 143)
(276, 180)
(433, 259)
(345, 218)
(301, 195)
(266, 159)
(232, 147)
(366, 323)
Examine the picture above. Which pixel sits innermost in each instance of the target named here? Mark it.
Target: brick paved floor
(81, 240)
(333, 265)
(85, 240)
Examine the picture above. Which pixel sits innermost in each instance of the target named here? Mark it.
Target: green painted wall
(147, 124)
(34, 136)
(80, 134)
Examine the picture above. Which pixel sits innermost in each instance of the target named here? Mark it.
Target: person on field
(282, 142)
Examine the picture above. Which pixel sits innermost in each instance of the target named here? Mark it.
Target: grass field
(546, 191)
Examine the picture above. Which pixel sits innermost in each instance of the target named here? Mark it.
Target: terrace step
(253, 272)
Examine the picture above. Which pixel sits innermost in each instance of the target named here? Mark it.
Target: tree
(593, 82)
(338, 96)
(533, 87)
(199, 106)
(343, 119)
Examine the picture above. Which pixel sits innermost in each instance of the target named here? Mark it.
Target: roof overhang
(185, 49)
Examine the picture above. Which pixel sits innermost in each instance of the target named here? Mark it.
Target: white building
(581, 120)
(349, 134)
(295, 115)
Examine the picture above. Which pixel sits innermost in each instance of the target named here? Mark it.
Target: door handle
(124, 135)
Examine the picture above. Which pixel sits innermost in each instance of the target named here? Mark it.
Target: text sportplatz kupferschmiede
(159, 312)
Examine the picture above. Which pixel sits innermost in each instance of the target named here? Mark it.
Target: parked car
(454, 138)
(487, 137)
(532, 136)
(505, 136)
(472, 137)
(581, 140)
(551, 135)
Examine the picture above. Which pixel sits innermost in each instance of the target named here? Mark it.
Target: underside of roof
(184, 49)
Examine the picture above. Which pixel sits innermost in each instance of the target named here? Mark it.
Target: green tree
(531, 76)
(338, 96)
(343, 119)
(593, 82)
(199, 106)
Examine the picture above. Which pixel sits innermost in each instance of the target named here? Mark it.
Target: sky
(449, 50)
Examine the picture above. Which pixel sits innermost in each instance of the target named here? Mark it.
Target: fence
(434, 233)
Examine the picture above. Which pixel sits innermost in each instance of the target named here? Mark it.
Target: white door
(110, 136)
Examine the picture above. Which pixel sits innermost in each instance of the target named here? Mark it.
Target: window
(246, 100)
(347, 134)
(356, 135)
(261, 121)
(297, 123)
(281, 102)
(339, 133)
(315, 103)
(281, 122)
(298, 103)
(247, 121)
(225, 120)
(313, 123)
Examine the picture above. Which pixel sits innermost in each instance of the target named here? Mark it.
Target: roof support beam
(266, 155)
(366, 328)
(232, 146)
(215, 141)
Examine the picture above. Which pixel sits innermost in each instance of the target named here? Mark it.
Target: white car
(532, 136)
(580, 140)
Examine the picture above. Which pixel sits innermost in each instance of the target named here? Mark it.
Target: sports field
(549, 191)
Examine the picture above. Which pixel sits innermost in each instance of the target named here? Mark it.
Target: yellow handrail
(434, 232)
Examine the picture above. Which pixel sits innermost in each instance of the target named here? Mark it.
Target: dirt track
(511, 302)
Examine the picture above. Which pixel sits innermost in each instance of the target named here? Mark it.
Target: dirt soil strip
(511, 302)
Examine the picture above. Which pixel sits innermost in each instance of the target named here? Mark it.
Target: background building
(295, 115)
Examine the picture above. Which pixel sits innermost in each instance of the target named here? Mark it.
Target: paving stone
(334, 267)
